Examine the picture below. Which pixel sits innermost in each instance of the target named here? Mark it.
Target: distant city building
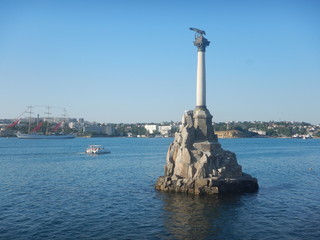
(60, 119)
(165, 130)
(109, 129)
(99, 129)
(74, 125)
(151, 128)
(4, 131)
(260, 132)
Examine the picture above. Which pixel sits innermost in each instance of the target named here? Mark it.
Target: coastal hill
(282, 129)
(236, 134)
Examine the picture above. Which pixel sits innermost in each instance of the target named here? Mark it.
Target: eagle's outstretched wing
(201, 32)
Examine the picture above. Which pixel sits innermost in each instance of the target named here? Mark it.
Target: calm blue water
(49, 189)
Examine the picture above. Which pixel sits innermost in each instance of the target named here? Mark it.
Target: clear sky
(134, 61)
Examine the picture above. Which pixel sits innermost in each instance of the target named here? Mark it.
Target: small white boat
(96, 149)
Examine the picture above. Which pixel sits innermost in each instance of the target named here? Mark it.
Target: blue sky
(134, 61)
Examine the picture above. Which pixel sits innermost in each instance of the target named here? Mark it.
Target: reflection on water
(194, 217)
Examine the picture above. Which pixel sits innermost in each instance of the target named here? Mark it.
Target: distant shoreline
(245, 134)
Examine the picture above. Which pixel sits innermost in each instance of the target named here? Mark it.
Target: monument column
(202, 116)
(201, 43)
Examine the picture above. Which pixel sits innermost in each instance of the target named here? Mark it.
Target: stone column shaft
(201, 80)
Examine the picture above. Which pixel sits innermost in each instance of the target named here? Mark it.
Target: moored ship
(44, 136)
(44, 129)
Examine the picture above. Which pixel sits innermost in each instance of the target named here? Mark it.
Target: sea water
(50, 189)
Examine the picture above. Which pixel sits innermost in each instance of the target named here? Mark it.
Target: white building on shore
(99, 129)
(151, 128)
(165, 130)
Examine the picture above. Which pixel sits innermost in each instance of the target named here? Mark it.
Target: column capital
(201, 43)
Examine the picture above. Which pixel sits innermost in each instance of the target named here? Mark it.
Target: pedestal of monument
(197, 164)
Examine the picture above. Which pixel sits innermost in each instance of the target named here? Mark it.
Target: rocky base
(197, 164)
(208, 186)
